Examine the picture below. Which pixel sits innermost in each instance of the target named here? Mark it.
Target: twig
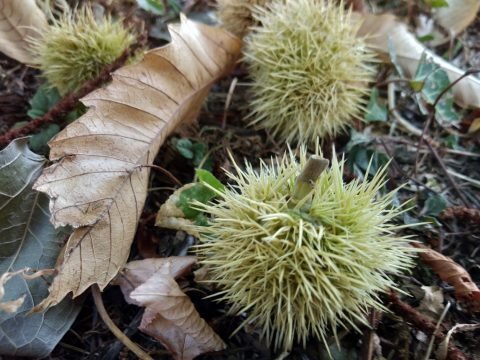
(166, 172)
(231, 90)
(97, 298)
(68, 102)
(450, 179)
(422, 323)
(431, 116)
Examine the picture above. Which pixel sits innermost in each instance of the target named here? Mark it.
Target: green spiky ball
(309, 69)
(77, 47)
(306, 270)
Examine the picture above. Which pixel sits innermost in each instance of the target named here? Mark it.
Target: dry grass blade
(98, 184)
(19, 20)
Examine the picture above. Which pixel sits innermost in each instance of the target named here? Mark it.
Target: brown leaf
(19, 20)
(457, 15)
(98, 184)
(170, 316)
(449, 271)
(136, 273)
(378, 29)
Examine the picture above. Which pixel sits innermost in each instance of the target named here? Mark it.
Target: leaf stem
(97, 298)
(304, 183)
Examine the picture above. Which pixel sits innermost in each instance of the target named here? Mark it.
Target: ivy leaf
(43, 100)
(431, 81)
(27, 239)
(375, 110)
(434, 205)
(198, 192)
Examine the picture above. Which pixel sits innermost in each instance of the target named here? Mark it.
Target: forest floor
(437, 176)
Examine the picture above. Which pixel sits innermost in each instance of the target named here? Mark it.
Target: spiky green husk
(309, 69)
(306, 270)
(236, 15)
(77, 47)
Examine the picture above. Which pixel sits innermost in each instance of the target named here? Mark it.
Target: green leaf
(156, 7)
(210, 179)
(375, 110)
(184, 147)
(434, 81)
(437, 3)
(38, 142)
(434, 205)
(43, 100)
(27, 239)
(198, 192)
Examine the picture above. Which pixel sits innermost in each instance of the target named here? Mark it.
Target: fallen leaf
(378, 30)
(28, 240)
(137, 272)
(475, 126)
(449, 271)
(170, 216)
(432, 303)
(98, 184)
(20, 20)
(170, 317)
(457, 15)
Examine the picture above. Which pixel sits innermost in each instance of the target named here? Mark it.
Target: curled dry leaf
(380, 29)
(98, 184)
(457, 15)
(449, 271)
(20, 20)
(170, 316)
(170, 216)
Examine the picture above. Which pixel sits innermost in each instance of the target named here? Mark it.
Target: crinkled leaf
(375, 110)
(170, 316)
(20, 20)
(449, 271)
(97, 184)
(28, 239)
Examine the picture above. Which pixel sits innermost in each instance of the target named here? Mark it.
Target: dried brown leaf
(98, 184)
(20, 20)
(457, 15)
(136, 273)
(449, 271)
(378, 29)
(170, 316)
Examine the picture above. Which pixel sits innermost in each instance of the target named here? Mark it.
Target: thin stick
(450, 179)
(431, 116)
(97, 298)
(166, 172)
